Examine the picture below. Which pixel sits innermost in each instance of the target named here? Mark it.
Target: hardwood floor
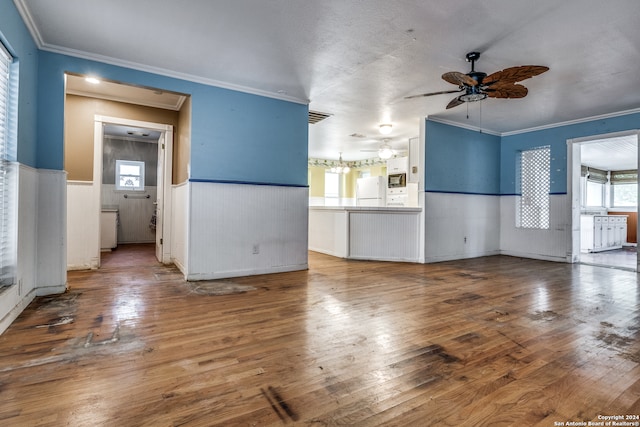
(488, 341)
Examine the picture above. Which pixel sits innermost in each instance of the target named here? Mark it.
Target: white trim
(175, 107)
(5, 50)
(537, 128)
(573, 186)
(170, 73)
(133, 123)
(33, 29)
(528, 255)
(632, 132)
(98, 136)
(573, 122)
(168, 167)
(463, 126)
(29, 22)
(13, 314)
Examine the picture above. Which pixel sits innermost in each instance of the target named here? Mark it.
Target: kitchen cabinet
(397, 165)
(602, 232)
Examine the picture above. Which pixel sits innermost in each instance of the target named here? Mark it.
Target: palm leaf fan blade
(458, 78)
(454, 103)
(515, 74)
(501, 90)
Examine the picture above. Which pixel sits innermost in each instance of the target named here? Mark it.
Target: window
(624, 188)
(625, 195)
(8, 228)
(594, 186)
(331, 188)
(129, 175)
(534, 179)
(595, 191)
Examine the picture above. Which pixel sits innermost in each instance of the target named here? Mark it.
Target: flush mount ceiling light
(341, 168)
(386, 128)
(92, 80)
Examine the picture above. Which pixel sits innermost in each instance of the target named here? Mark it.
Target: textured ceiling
(357, 60)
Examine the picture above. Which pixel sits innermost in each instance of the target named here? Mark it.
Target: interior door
(159, 204)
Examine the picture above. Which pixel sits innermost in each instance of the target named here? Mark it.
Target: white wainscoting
(384, 235)
(134, 211)
(368, 233)
(27, 228)
(52, 237)
(180, 225)
(41, 241)
(329, 231)
(15, 298)
(230, 222)
(459, 226)
(552, 245)
(82, 226)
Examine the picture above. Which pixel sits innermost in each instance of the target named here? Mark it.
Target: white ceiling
(357, 60)
(612, 154)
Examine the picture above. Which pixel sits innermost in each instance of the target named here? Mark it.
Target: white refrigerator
(371, 191)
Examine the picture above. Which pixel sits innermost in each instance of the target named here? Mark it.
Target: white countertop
(367, 208)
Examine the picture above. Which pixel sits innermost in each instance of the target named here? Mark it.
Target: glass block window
(129, 175)
(534, 179)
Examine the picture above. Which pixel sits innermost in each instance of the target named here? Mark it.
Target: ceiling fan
(385, 151)
(477, 85)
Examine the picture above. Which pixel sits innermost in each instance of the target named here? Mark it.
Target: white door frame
(163, 226)
(573, 186)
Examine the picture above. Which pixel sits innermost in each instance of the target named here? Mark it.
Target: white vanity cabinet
(602, 232)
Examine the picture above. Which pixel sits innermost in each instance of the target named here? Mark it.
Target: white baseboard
(13, 314)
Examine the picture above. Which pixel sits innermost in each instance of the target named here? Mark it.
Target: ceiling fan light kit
(477, 85)
(385, 152)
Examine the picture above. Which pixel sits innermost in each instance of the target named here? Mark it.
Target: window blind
(624, 177)
(7, 173)
(595, 175)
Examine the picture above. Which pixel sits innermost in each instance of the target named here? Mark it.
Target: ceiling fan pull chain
(481, 116)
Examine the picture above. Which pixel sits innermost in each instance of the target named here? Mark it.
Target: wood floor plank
(487, 341)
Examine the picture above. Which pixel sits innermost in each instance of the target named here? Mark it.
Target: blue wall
(459, 160)
(556, 138)
(15, 36)
(235, 136)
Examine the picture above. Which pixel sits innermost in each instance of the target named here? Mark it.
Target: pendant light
(341, 168)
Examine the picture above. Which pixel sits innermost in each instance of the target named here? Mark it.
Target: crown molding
(23, 10)
(173, 74)
(463, 126)
(33, 29)
(573, 122)
(536, 128)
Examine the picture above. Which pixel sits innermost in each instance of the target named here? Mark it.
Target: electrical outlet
(256, 249)
(465, 239)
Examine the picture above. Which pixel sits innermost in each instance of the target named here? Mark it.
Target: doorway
(160, 214)
(603, 184)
